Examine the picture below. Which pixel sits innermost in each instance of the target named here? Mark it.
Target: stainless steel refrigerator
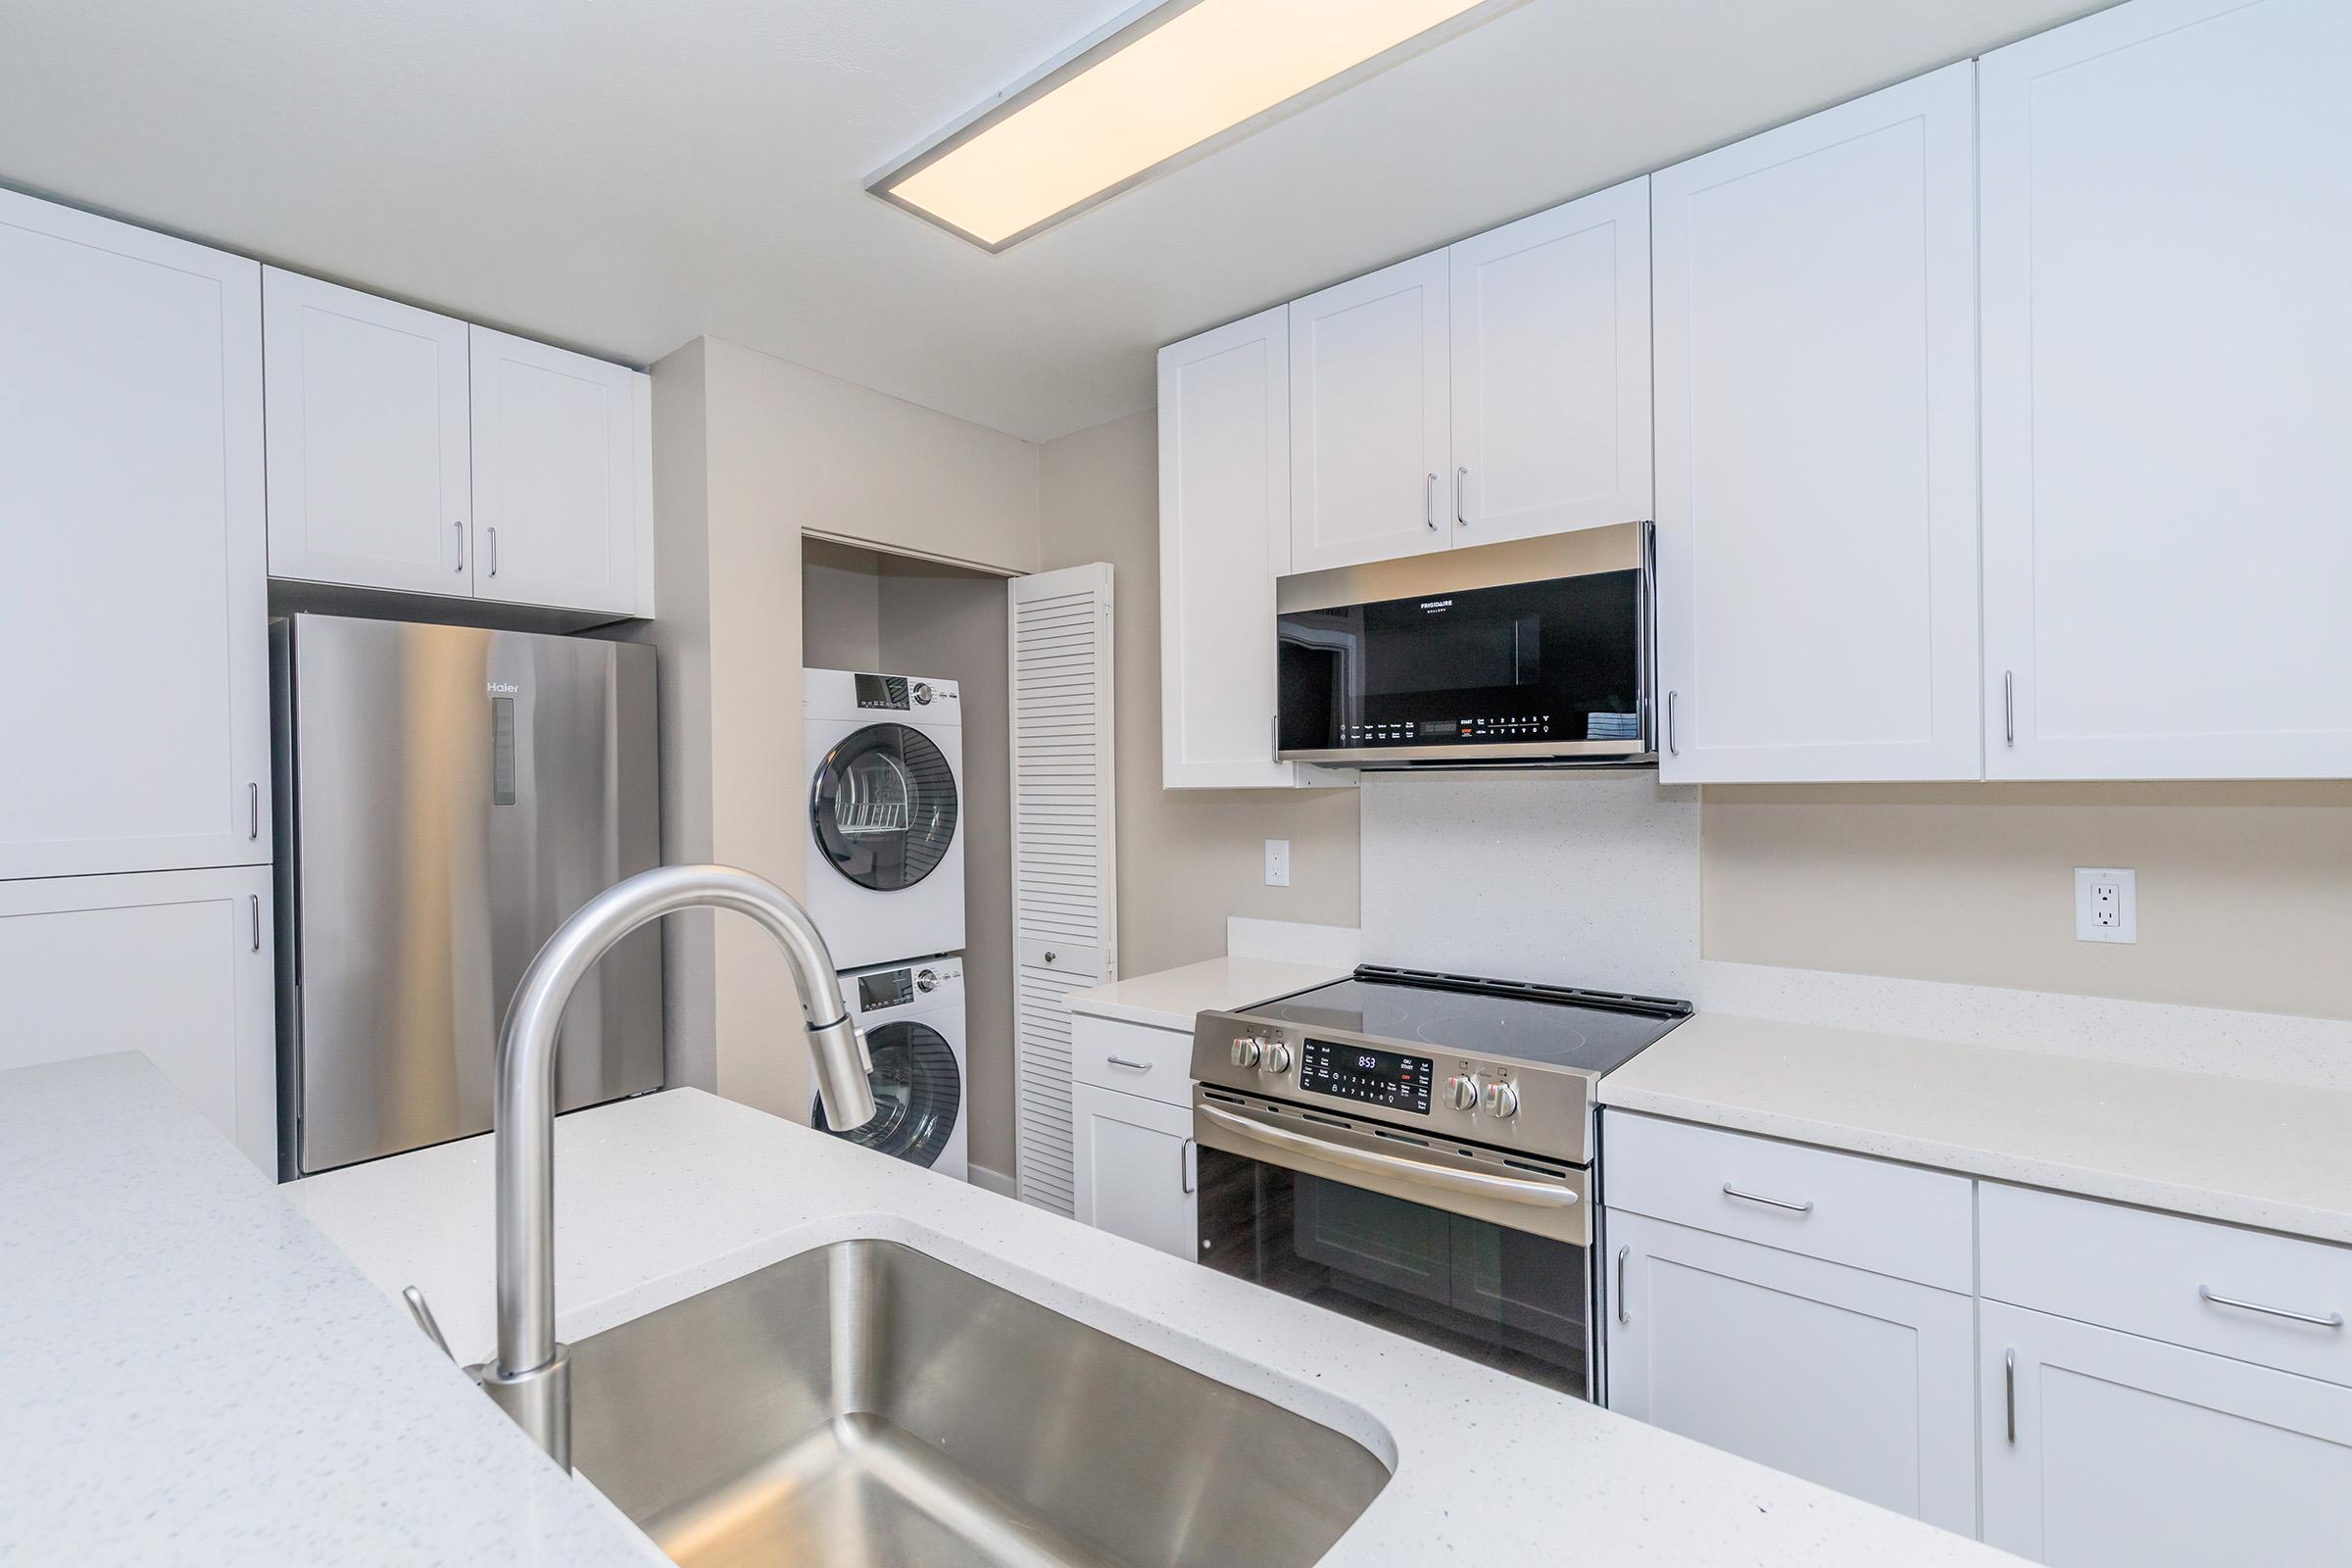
(447, 797)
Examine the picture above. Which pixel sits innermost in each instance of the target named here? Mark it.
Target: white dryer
(885, 753)
(913, 1015)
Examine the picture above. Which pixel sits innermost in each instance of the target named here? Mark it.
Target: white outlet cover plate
(1277, 862)
(2125, 927)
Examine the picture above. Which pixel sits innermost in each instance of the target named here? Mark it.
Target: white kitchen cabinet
(176, 964)
(1550, 361)
(133, 619)
(1224, 537)
(563, 477)
(2104, 1449)
(1369, 437)
(1856, 1379)
(2168, 362)
(1138, 1168)
(1816, 338)
(370, 465)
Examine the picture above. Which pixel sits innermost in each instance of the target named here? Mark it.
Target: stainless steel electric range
(1415, 1150)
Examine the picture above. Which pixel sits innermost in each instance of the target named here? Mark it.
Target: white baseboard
(995, 1181)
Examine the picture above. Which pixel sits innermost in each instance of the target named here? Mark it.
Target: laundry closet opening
(908, 816)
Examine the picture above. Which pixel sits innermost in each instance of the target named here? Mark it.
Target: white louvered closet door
(1065, 907)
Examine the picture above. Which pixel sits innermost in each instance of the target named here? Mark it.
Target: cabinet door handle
(1132, 1067)
(2009, 1382)
(253, 812)
(1672, 749)
(1429, 501)
(2330, 1320)
(2009, 706)
(493, 532)
(1805, 1207)
(1461, 478)
(1622, 1315)
(256, 920)
(1187, 1165)
(459, 525)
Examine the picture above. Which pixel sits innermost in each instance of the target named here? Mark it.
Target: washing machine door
(883, 807)
(918, 1093)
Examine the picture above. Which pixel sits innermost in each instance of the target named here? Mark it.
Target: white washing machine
(885, 754)
(913, 1015)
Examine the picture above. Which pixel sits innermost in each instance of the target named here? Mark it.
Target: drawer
(2171, 1279)
(1133, 1058)
(1896, 1221)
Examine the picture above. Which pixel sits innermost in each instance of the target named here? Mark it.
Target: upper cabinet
(1816, 341)
(2167, 365)
(134, 622)
(1550, 367)
(1369, 385)
(409, 451)
(371, 475)
(563, 477)
(1224, 537)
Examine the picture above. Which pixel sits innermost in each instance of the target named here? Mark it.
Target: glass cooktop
(1555, 1026)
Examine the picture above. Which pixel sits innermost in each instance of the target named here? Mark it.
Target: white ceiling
(626, 174)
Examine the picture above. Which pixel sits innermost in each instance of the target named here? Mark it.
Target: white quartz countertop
(191, 1373)
(665, 1196)
(1169, 999)
(2267, 1154)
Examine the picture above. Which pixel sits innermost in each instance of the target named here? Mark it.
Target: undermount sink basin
(866, 1403)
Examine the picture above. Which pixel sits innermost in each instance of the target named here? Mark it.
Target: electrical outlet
(1277, 862)
(2106, 904)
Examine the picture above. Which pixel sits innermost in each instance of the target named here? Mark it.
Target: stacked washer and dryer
(885, 885)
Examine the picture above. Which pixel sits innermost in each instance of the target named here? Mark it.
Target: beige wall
(1187, 859)
(2245, 890)
(750, 452)
(841, 608)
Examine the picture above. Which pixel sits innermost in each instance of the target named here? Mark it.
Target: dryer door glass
(918, 1093)
(883, 807)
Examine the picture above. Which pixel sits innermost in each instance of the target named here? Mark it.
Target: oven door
(1471, 1250)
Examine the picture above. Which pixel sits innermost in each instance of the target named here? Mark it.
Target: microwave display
(1553, 661)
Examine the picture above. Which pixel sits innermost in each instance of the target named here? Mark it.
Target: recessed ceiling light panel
(1165, 82)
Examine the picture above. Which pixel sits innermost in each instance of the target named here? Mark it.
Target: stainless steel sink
(866, 1403)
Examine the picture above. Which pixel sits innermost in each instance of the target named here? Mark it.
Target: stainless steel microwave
(1534, 653)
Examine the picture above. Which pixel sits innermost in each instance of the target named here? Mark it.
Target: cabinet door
(2168, 360)
(1817, 446)
(1224, 537)
(175, 964)
(1550, 361)
(370, 478)
(2108, 1450)
(133, 613)
(1136, 1168)
(1854, 1380)
(1368, 425)
(563, 509)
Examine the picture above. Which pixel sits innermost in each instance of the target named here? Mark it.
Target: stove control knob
(1278, 1058)
(1502, 1101)
(1247, 1051)
(1461, 1092)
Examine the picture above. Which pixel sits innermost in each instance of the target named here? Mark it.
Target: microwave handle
(1541, 1195)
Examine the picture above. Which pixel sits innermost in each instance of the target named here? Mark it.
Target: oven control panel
(1375, 1077)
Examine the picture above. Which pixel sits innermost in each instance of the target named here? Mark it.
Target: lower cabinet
(2104, 1449)
(175, 964)
(1137, 1166)
(1855, 1380)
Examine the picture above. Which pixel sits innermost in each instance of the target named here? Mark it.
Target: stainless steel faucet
(531, 1375)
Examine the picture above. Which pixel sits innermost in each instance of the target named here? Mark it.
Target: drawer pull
(2332, 1320)
(1131, 1066)
(2009, 1382)
(1622, 1252)
(1805, 1207)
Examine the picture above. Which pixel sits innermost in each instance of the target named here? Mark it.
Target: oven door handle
(1509, 1189)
